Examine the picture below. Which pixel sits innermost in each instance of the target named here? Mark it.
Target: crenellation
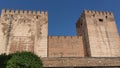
(65, 37)
(46, 13)
(29, 12)
(17, 11)
(12, 11)
(101, 13)
(21, 12)
(26, 12)
(7, 11)
(91, 12)
(34, 12)
(96, 12)
(110, 13)
(3, 11)
(104, 13)
(50, 37)
(38, 13)
(42, 13)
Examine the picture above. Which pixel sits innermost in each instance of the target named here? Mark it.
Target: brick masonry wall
(100, 34)
(65, 46)
(82, 62)
(24, 31)
(103, 40)
(2, 37)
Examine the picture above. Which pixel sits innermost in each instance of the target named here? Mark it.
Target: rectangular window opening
(101, 20)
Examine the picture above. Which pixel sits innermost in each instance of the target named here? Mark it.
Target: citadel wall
(24, 31)
(28, 31)
(65, 46)
(100, 34)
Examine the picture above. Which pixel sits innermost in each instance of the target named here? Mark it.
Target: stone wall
(65, 46)
(100, 34)
(79, 62)
(28, 31)
(2, 37)
(24, 31)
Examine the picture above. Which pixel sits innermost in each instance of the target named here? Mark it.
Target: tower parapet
(7, 11)
(65, 37)
(98, 12)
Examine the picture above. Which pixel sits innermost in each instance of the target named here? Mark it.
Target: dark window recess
(100, 20)
(12, 16)
(106, 17)
(37, 17)
(81, 24)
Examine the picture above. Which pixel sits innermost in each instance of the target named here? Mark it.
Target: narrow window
(81, 24)
(100, 20)
(93, 15)
(37, 17)
(106, 17)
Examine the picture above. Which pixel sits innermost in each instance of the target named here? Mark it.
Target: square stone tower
(101, 38)
(24, 31)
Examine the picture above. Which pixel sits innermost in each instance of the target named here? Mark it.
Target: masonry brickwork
(100, 33)
(24, 31)
(65, 46)
(80, 62)
(97, 36)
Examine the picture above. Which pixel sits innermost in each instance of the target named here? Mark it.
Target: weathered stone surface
(81, 62)
(65, 46)
(24, 31)
(100, 34)
(28, 31)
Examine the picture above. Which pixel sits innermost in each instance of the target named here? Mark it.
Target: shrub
(24, 60)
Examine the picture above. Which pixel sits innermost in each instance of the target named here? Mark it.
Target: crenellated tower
(101, 38)
(24, 31)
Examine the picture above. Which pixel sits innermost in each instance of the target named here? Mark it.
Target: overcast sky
(63, 14)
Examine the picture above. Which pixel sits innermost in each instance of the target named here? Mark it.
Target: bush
(3, 60)
(21, 60)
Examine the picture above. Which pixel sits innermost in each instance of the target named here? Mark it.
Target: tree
(3, 60)
(24, 60)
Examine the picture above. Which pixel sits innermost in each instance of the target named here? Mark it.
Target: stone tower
(101, 38)
(24, 31)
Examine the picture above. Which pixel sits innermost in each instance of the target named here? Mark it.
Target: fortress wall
(102, 34)
(79, 62)
(65, 46)
(24, 31)
(2, 38)
(21, 44)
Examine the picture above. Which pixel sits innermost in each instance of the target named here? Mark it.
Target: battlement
(7, 11)
(98, 12)
(64, 37)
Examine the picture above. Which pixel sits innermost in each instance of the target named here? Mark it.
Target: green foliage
(24, 60)
(3, 60)
(20, 60)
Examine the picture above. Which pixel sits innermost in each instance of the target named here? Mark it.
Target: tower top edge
(8, 11)
(98, 12)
